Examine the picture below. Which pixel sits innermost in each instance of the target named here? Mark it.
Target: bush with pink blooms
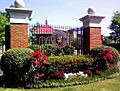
(105, 57)
(40, 65)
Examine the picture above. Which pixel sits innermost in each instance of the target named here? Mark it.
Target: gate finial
(19, 4)
(91, 11)
(46, 22)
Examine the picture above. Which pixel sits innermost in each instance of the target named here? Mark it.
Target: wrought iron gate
(43, 35)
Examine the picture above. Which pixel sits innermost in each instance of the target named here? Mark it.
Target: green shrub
(115, 45)
(71, 81)
(34, 47)
(110, 71)
(68, 50)
(69, 63)
(105, 57)
(15, 63)
(95, 51)
(50, 49)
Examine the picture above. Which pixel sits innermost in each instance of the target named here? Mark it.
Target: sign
(59, 39)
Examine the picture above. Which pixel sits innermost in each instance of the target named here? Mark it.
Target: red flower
(38, 58)
(110, 56)
(108, 50)
(46, 60)
(37, 63)
(59, 73)
(104, 57)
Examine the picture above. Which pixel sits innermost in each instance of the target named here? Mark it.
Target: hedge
(15, 63)
(50, 49)
(68, 64)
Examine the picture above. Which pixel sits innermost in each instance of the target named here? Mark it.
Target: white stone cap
(91, 20)
(19, 4)
(91, 11)
(19, 15)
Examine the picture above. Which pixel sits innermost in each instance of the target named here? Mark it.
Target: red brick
(91, 38)
(18, 35)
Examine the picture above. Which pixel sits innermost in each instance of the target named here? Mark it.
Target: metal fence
(57, 35)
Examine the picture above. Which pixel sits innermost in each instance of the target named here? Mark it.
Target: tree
(107, 40)
(3, 23)
(115, 27)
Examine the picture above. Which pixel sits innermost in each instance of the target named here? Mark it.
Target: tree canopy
(115, 27)
(3, 23)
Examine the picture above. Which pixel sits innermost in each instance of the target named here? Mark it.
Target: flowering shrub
(40, 65)
(106, 56)
(59, 74)
(104, 60)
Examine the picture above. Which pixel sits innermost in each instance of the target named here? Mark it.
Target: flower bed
(70, 82)
(50, 72)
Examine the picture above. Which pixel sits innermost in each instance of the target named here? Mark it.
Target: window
(42, 40)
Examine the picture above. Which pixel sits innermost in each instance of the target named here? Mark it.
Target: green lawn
(106, 85)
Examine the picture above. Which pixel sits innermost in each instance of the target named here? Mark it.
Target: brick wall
(91, 38)
(18, 35)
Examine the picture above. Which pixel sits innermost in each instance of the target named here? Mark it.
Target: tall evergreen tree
(115, 27)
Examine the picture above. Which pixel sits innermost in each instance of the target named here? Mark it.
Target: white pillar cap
(19, 15)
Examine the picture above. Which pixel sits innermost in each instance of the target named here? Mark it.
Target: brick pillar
(91, 31)
(18, 33)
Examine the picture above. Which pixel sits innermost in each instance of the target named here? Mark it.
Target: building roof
(44, 29)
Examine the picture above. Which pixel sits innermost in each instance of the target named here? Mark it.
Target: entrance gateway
(17, 35)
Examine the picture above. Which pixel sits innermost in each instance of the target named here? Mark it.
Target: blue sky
(67, 12)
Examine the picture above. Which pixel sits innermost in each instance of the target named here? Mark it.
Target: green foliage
(111, 70)
(50, 49)
(76, 42)
(68, 50)
(107, 40)
(34, 47)
(3, 23)
(71, 58)
(110, 82)
(16, 66)
(115, 45)
(71, 81)
(94, 52)
(105, 57)
(115, 27)
(15, 63)
(69, 63)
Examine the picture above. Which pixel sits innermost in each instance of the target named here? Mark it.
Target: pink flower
(108, 49)
(35, 76)
(41, 75)
(110, 56)
(104, 57)
(107, 63)
(37, 63)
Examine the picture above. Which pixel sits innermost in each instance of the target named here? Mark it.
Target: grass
(106, 85)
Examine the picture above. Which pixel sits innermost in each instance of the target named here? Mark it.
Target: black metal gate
(40, 35)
